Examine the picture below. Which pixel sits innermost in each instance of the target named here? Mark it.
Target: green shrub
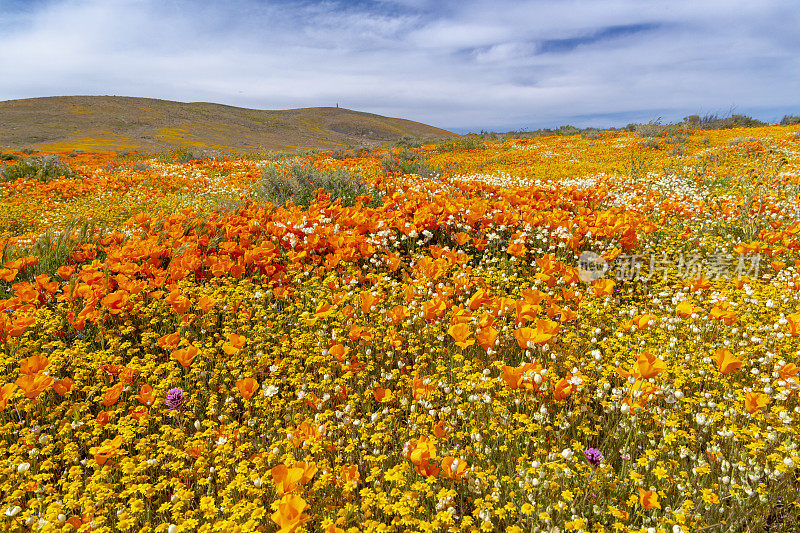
(42, 168)
(467, 142)
(406, 162)
(299, 182)
(655, 128)
(713, 122)
(176, 155)
(790, 120)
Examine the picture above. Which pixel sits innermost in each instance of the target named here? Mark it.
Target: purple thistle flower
(176, 399)
(594, 456)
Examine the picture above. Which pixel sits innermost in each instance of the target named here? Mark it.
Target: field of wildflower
(545, 333)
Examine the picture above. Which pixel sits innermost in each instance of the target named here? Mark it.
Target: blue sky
(461, 65)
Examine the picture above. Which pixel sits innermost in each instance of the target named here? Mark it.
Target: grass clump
(407, 162)
(176, 156)
(40, 168)
(299, 182)
(715, 122)
(53, 249)
(467, 142)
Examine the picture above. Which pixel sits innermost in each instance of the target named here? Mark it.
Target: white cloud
(466, 65)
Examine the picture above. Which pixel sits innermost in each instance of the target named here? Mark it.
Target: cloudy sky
(462, 65)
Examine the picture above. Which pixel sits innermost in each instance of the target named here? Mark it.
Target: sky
(461, 65)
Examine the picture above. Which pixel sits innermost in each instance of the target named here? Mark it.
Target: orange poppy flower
(438, 430)
(289, 515)
(65, 272)
(8, 274)
(247, 387)
(433, 310)
(754, 401)
(185, 356)
(196, 449)
(62, 386)
(180, 303)
(206, 303)
(33, 364)
(102, 418)
(368, 302)
(382, 395)
(789, 370)
(726, 361)
(563, 388)
(643, 321)
(169, 342)
(6, 391)
(419, 389)
(147, 395)
(603, 287)
(116, 302)
(649, 366)
(648, 499)
(426, 469)
(235, 343)
(462, 238)
(288, 479)
(339, 352)
(685, 309)
(348, 474)
(420, 450)
(516, 248)
(545, 330)
(112, 394)
(522, 377)
(793, 324)
(33, 384)
(461, 333)
(137, 413)
(107, 450)
(487, 337)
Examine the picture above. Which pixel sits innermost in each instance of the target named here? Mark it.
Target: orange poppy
(603, 287)
(147, 395)
(102, 418)
(382, 395)
(235, 343)
(112, 394)
(62, 386)
(247, 387)
(726, 361)
(33, 384)
(6, 391)
(34, 364)
(563, 388)
(206, 303)
(289, 515)
(348, 474)
(461, 333)
(185, 356)
(648, 499)
(755, 401)
(288, 479)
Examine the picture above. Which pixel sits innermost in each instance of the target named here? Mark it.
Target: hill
(147, 125)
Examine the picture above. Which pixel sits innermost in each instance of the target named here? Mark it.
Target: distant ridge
(148, 125)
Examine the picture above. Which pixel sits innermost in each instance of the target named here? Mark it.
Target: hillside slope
(146, 124)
